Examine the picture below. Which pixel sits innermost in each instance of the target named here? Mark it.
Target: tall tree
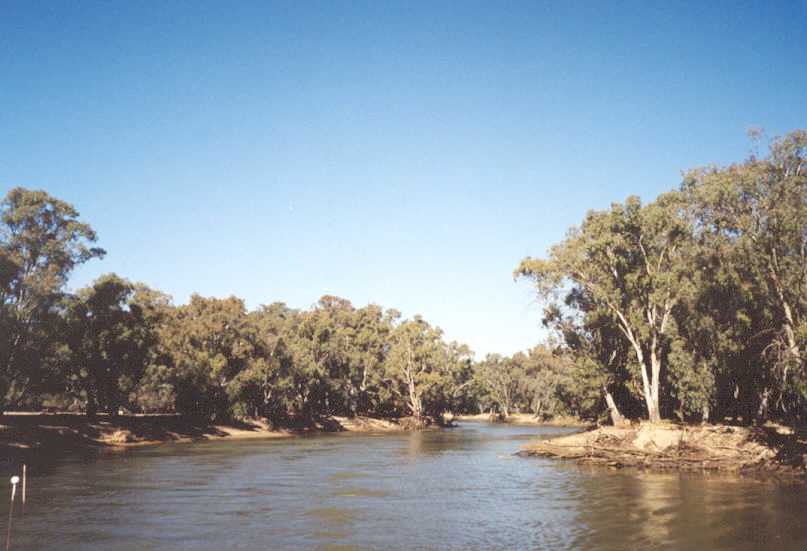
(41, 241)
(629, 261)
(111, 341)
(154, 391)
(266, 387)
(210, 342)
(416, 365)
(752, 216)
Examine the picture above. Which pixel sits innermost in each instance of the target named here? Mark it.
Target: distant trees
(116, 344)
(542, 381)
(499, 378)
(294, 366)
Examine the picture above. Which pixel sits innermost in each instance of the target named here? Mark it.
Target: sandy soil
(367, 424)
(683, 447)
(65, 431)
(526, 419)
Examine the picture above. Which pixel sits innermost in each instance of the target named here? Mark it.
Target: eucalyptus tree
(366, 341)
(41, 241)
(266, 386)
(631, 262)
(321, 355)
(359, 344)
(549, 383)
(500, 378)
(262, 387)
(604, 373)
(458, 390)
(111, 339)
(210, 341)
(154, 391)
(416, 366)
(753, 215)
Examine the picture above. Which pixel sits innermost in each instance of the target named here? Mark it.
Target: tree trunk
(414, 401)
(789, 323)
(539, 407)
(617, 419)
(654, 414)
(416, 407)
(762, 411)
(649, 381)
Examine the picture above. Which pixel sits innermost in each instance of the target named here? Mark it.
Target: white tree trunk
(616, 417)
(650, 381)
(655, 374)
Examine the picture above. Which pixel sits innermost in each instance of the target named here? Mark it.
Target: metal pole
(14, 480)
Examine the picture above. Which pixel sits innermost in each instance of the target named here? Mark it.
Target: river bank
(525, 419)
(55, 432)
(668, 446)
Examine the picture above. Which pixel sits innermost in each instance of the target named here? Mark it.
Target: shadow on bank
(25, 434)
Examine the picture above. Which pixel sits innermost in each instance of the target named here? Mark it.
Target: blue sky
(407, 154)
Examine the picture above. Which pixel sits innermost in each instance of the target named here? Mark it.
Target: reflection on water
(360, 492)
(705, 512)
(333, 515)
(452, 489)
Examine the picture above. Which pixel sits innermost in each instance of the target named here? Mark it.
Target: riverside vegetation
(688, 308)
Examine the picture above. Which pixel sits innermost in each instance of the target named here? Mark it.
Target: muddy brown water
(459, 488)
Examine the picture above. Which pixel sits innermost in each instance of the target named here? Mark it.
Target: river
(459, 488)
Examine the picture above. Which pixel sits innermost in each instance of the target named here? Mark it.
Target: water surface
(455, 489)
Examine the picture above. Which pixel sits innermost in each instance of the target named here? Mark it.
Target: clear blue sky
(407, 154)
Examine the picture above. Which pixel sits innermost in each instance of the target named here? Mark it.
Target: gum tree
(631, 262)
(752, 217)
(111, 338)
(41, 241)
(416, 365)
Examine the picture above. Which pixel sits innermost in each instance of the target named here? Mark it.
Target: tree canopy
(705, 285)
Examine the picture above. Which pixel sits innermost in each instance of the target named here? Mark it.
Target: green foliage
(629, 263)
(109, 339)
(705, 287)
(416, 368)
(209, 342)
(41, 241)
(691, 382)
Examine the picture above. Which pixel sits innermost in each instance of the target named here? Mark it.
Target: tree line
(118, 346)
(690, 307)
